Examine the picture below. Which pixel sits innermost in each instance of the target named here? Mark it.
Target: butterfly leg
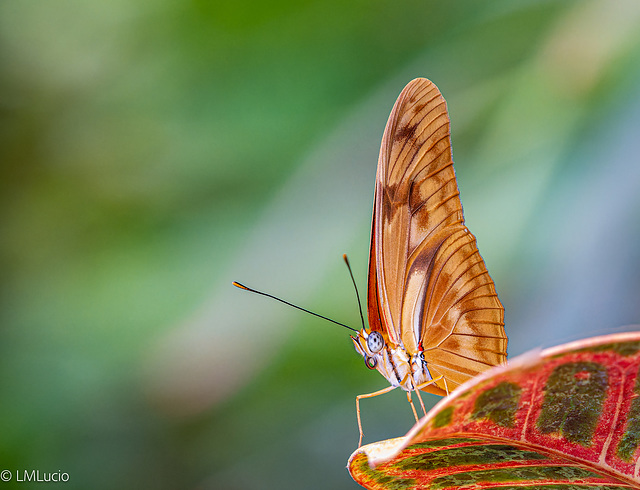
(413, 408)
(424, 410)
(369, 395)
(432, 382)
(417, 390)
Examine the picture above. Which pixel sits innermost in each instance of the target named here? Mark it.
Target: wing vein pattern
(423, 260)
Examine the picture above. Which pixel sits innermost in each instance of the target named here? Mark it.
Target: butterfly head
(369, 345)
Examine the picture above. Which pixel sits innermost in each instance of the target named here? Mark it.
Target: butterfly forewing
(429, 289)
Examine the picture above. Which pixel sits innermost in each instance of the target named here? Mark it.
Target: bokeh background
(154, 151)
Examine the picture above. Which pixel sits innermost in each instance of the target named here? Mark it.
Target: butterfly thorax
(401, 368)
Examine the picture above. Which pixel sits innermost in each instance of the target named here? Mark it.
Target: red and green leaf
(564, 418)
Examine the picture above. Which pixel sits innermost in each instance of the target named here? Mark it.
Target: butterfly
(435, 319)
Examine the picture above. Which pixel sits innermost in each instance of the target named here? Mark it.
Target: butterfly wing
(429, 289)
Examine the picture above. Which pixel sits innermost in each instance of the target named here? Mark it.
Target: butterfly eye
(375, 342)
(371, 362)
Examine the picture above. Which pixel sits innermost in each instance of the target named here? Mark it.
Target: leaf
(563, 418)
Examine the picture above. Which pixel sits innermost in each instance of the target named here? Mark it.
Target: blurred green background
(154, 151)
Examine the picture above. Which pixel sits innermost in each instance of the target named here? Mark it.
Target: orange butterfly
(435, 319)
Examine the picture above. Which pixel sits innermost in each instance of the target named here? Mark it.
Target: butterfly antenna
(242, 286)
(346, 261)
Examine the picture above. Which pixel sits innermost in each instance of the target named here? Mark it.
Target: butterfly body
(435, 319)
(401, 368)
